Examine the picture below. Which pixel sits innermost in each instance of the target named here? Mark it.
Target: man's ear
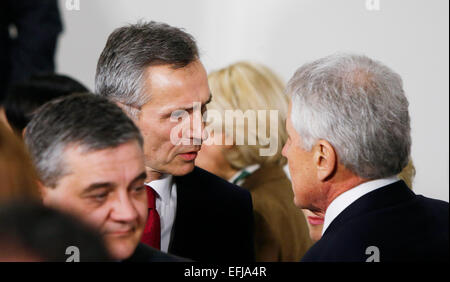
(325, 159)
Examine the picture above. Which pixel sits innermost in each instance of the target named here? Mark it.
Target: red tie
(152, 231)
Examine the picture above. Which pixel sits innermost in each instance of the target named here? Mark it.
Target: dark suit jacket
(213, 221)
(402, 225)
(144, 253)
(281, 232)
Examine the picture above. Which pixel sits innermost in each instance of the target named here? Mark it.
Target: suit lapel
(186, 202)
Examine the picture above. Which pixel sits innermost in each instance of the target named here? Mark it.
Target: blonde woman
(280, 229)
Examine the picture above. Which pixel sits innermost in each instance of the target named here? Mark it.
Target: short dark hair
(23, 98)
(130, 49)
(83, 119)
(45, 233)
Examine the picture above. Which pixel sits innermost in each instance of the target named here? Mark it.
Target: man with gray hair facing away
(349, 136)
(154, 73)
(90, 163)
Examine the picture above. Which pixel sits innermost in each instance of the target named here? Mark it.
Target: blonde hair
(250, 86)
(408, 173)
(17, 174)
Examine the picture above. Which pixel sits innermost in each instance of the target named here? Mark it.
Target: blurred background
(410, 36)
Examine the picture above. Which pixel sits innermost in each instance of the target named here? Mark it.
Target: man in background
(32, 232)
(349, 136)
(154, 73)
(25, 97)
(89, 159)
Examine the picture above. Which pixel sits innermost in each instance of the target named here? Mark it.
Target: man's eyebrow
(109, 185)
(141, 176)
(170, 110)
(207, 102)
(96, 186)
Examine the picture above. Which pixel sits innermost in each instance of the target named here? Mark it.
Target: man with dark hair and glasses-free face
(89, 158)
(154, 73)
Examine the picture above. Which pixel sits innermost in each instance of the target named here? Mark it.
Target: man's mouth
(189, 156)
(314, 220)
(120, 233)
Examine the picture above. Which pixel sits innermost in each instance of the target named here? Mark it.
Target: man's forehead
(170, 89)
(100, 173)
(166, 73)
(288, 119)
(80, 157)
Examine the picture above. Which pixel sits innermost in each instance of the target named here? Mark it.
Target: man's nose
(124, 209)
(198, 128)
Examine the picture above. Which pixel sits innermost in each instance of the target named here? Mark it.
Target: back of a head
(24, 98)
(252, 87)
(130, 50)
(32, 232)
(17, 174)
(359, 106)
(89, 121)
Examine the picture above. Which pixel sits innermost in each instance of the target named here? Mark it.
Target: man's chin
(297, 203)
(122, 251)
(182, 168)
(121, 247)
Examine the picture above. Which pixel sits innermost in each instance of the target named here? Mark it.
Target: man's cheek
(97, 219)
(142, 210)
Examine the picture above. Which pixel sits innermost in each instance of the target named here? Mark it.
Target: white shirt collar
(250, 169)
(348, 197)
(162, 186)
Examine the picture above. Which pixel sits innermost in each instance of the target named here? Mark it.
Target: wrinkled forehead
(120, 163)
(169, 89)
(165, 77)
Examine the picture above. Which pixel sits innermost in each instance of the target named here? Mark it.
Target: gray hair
(92, 122)
(359, 106)
(130, 50)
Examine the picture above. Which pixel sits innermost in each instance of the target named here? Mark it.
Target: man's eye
(100, 197)
(178, 113)
(139, 189)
